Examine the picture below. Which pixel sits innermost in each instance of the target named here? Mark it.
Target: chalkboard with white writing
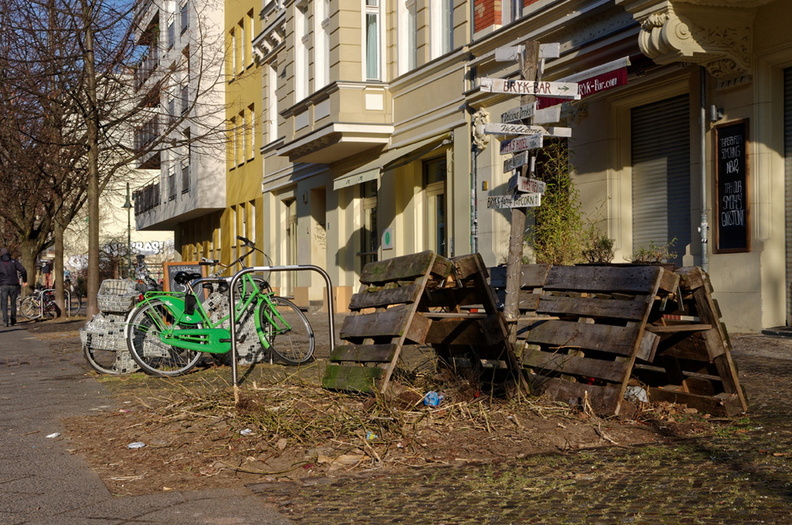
(170, 269)
(732, 220)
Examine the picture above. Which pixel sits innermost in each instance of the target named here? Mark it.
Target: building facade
(368, 146)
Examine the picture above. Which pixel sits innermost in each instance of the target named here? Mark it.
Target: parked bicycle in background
(168, 332)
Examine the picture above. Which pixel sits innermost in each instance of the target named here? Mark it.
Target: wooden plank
(605, 401)
(477, 332)
(528, 300)
(648, 347)
(391, 322)
(626, 279)
(673, 328)
(531, 275)
(385, 297)
(418, 329)
(618, 340)
(351, 377)
(467, 266)
(404, 268)
(719, 405)
(592, 307)
(451, 297)
(691, 277)
(381, 353)
(572, 365)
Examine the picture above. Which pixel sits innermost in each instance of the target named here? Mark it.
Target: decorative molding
(480, 139)
(716, 35)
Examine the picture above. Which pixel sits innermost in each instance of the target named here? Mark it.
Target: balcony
(341, 120)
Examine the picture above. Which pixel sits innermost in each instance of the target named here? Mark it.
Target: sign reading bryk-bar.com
(525, 200)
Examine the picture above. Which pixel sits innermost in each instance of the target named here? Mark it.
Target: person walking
(11, 271)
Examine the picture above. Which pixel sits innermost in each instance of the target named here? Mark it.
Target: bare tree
(70, 106)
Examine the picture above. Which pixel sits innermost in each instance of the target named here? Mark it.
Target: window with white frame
(271, 116)
(442, 27)
(372, 40)
(171, 31)
(412, 35)
(511, 10)
(301, 51)
(322, 44)
(184, 15)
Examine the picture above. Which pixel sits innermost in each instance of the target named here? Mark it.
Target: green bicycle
(167, 333)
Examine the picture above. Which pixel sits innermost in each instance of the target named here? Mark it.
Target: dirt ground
(196, 432)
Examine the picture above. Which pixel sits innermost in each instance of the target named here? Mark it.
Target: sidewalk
(42, 483)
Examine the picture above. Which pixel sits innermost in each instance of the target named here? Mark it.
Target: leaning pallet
(419, 299)
(693, 364)
(385, 318)
(583, 329)
(591, 334)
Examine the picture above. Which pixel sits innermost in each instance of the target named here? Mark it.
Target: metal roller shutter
(661, 174)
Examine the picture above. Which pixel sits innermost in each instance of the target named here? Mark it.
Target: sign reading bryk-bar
(527, 87)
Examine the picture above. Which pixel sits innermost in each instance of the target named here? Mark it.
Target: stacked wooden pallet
(419, 299)
(591, 334)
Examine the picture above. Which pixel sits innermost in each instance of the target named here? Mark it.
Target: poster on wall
(732, 219)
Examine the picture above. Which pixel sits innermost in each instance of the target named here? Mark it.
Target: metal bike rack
(290, 268)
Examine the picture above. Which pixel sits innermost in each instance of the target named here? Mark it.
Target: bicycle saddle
(186, 277)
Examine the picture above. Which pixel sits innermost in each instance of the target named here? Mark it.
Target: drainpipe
(704, 226)
(474, 201)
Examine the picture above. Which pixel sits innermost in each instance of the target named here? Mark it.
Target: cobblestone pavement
(741, 476)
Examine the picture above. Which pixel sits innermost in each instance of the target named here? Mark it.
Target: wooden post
(530, 70)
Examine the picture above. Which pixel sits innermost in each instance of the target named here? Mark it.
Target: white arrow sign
(526, 200)
(519, 159)
(567, 90)
(540, 116)
(499, 128)
(527, 185)
(521, 144)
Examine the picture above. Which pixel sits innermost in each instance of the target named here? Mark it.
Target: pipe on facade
(704, 225)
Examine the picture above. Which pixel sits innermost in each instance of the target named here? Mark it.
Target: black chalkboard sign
(732, 219)
(170, 269)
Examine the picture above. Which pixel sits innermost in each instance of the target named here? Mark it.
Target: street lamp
(128, 207)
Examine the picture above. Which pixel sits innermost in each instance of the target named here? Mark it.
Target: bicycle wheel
(103, 361)
(30, 307)
(289, 332)
(147, 349)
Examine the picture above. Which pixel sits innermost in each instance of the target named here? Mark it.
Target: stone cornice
(712, 33)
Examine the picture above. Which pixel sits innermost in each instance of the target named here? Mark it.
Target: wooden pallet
(583, 329)
(469, 331)
(591, 332)
(420, 299)
(385, 318)
(693, 364)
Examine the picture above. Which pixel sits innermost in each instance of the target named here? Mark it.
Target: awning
(389, 160)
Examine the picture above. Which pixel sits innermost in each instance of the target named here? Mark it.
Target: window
(412, 35)
(442, 27)
(185, 175)
(184, 13)
(322, 44)
(171, 31)
(250, 131)
(232, 46)
(369, 234)
(301, 52)
(171, 182)
(372, 43)
(272, 103)
(434, 182)
(185, 99)
(511, 11)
